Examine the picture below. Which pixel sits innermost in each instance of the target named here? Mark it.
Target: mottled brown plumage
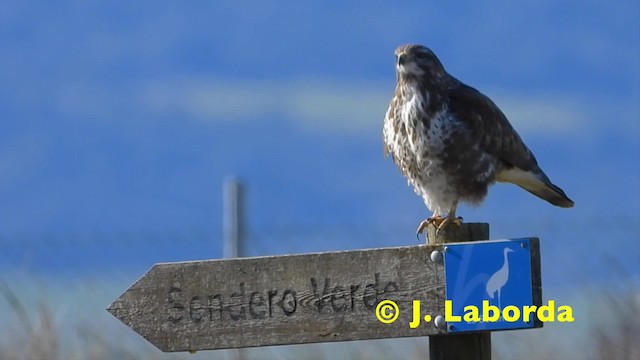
(452, 142)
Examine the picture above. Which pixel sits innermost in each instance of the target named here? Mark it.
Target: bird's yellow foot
(447, 221)
(435, 220)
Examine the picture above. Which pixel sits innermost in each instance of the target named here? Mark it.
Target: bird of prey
(452, 142)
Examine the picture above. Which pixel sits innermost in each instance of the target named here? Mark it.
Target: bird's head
(417, 61)
(508, 250)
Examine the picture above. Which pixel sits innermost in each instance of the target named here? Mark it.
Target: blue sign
(494, 277)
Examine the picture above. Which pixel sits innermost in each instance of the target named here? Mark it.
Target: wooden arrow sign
(291, 299)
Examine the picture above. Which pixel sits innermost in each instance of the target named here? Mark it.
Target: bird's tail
(537, 183)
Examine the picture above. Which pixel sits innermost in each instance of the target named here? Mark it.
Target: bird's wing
(490, 126)
(496, 136)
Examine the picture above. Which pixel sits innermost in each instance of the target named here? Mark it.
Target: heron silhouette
(499, 279)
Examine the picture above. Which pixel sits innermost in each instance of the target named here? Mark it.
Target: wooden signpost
(293, 299)
(296, 299)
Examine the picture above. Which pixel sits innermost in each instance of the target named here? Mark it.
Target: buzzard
(452, 142)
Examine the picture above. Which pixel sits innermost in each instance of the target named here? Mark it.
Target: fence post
(233, 229)
(460, 346)
(233, 221)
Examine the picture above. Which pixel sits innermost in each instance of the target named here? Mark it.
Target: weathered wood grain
(289, 299)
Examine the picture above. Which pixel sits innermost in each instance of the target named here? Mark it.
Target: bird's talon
(435, 220)
(423, 225)
(456, 221)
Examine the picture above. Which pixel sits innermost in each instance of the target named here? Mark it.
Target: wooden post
(460, 346)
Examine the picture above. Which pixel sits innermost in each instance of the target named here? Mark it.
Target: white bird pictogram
(499, 278)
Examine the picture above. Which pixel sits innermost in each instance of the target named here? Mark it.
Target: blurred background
(120, 121)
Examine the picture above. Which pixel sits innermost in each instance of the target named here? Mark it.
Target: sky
(126, 118)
